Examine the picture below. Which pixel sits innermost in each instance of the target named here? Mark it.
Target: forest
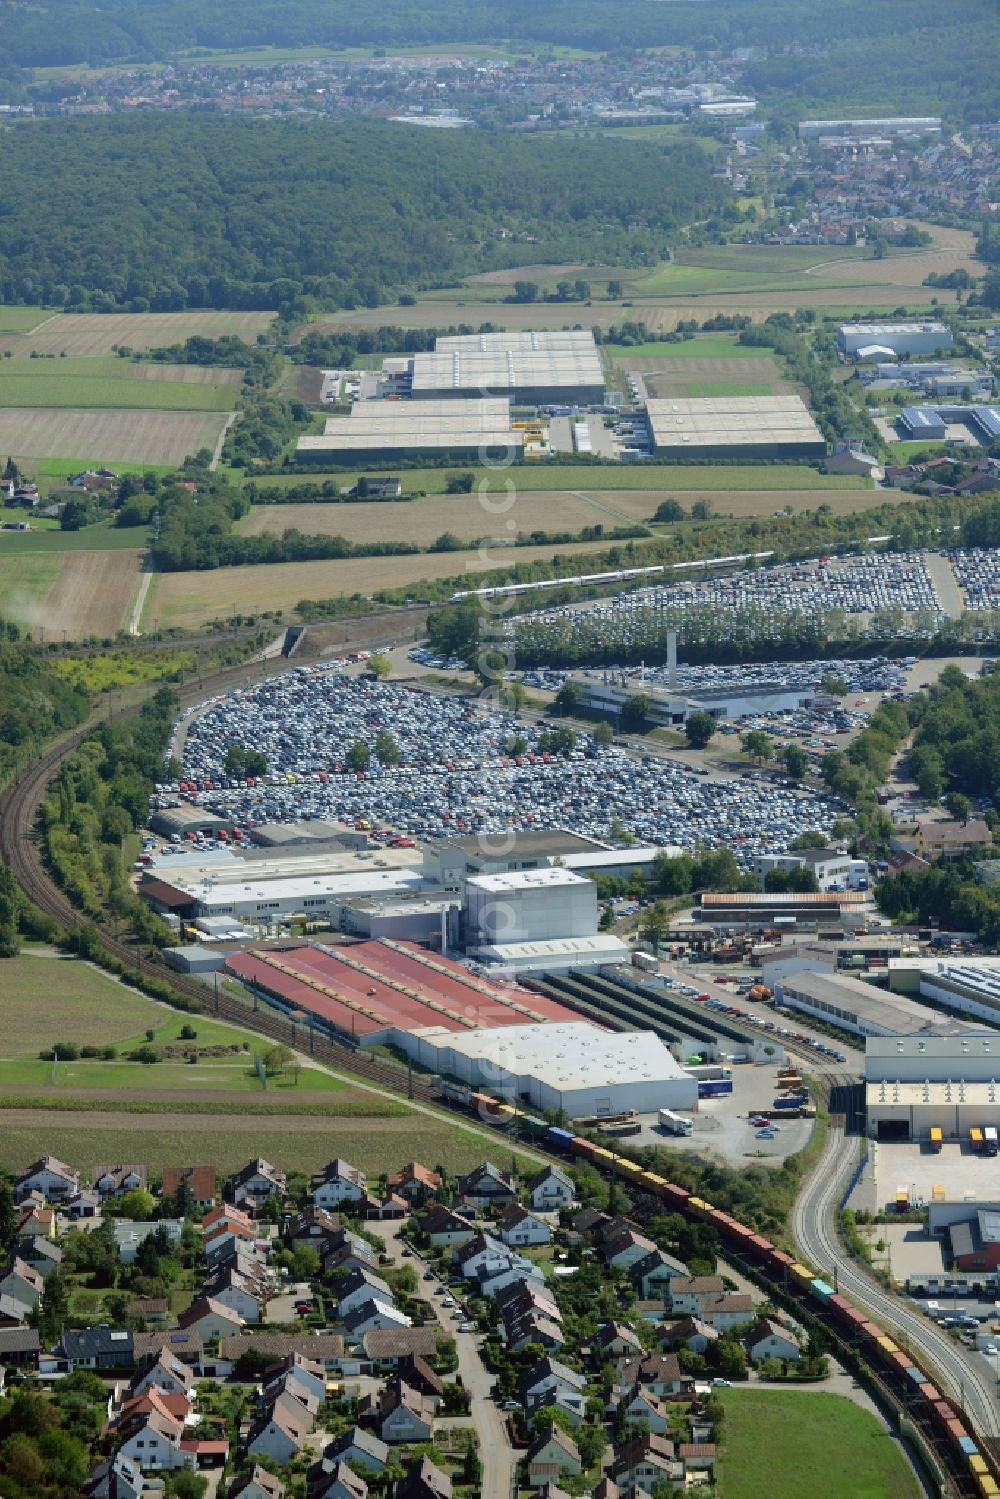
(162, 213)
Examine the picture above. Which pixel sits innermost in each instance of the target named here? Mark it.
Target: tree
(380, 665)
(241, 762)
(699, 729)
(387, 749)
(183, 1484)
(525, 291)
(802, 880)
(795, 761)
(569, 697)
(655, 924)
(756, 744)
(276, 1059)
(812, 838)
(137, 1204)
(50, 1313)
(358, 756)
(604, 735)
(614, 290)
(669, 511)
(635, 710)
(959, 806)
(701, 510)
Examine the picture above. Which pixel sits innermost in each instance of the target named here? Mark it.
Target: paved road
(815, 1233)
(495, 1452)
(943, 574)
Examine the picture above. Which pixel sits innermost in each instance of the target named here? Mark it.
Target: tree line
(376, 209)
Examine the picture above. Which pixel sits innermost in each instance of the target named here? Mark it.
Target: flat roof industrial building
(414, 429)
(905, 125)
(932, 420)
(874, 340)
(571, 1066)
(971, 987)
(860, 1008)
(723, 427)
(531, 369)
(378, 991)
(918, 1082)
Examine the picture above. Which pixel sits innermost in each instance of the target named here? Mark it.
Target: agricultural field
(815, 1443)
(293, 1142)
(25, 582)
(700, 388)
(23, 319)
(49, 998)
(423, 521)
(188, 600)
(110, 436)
(46, 536)
(704, 346)
(99, 673)
(598, 476)
(58, 383)
(97, 333)
(91, 596)
(746, 503)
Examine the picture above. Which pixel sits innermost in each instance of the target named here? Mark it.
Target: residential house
(851, 458)
(642, 1407)
(338, 1182)
(357, 1448)
(382, 1209)
(520, 1228)
(626, 1249)
(697, 1457)
(35, 1221)
(119, 1477)
(254, 1183)
(153, 1440)
(534, 1328)
(22, 1282)
(689, 1332)
(357, 1288)
(688, 1293)
(518, 1270)
(403, 1414)
(616, 1340)
(530, 1316)
(340, 1483)
(424, 1481)
(551, 1455)
(323, 1348)
(644, 1461)
(129, 1235)
(767, 1339)
(288, 1385)
(658, 1373)
(727, 1311)
(100, 1347)
(13, 1313)
(243, 1294)
(415, 1183)
(81, 1205)
(588, 1221)
(166, 1373)
(446, 1229)
(312, 1228)
(652, 1275)
(112, 1181)
(200, 1182)
(387, 1347)
(551, 1190)
(42, 1254)
(418, 1374)
(19, 1347)
(280, 1431)
(256, 1483)
(372, 1316)
(185, 1346)
(346, 1251)
(482, 1252)
(148, 1308)
(487, 1186)
(210, 1319)
(539, 1383)
(49, 1176)
(308, 1373)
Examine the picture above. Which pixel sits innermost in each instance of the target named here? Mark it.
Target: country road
(814, 1229)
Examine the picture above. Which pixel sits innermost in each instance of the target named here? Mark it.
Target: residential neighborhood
(284, 1336)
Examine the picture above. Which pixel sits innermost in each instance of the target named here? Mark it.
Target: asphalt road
(813, 1226)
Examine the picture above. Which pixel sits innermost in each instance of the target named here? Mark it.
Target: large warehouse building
(572, 1067)
(734, 426)
(860, 1008)
(530, 369)
(392, 430)
(970, 987)
(875, 340)
(917, 1083)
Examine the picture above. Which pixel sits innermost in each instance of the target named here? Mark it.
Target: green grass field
(596, 476)
(25, 580)
(103, 536)
(44, 382)
(702, 346)
(47, 998)
(727, 388)
(23, 319)
(806, 1442)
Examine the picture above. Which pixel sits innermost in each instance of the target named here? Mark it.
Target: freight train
(972, 1466)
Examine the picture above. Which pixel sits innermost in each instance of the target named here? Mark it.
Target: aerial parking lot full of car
(453, 768)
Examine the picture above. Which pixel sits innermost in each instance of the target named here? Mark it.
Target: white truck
(674, 1124)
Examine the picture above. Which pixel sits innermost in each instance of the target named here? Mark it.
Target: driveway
(495, 1451)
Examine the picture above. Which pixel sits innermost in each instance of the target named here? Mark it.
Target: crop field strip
(109, 435)
(596, 476)
(92, 333)
(92, 595)
(45, 384)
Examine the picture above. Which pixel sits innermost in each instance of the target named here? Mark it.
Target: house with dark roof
(356, 1447)
(424, 1480)
(51, 1177)
(652, 1275)
(41, 1253)
(19, 1347)
(550, 1190)
(340, 1483)
(313, 1228)
(256, 1483)
(101, 1347)
(446, 1229)
(551, 1455)
(338, 1182)
(644, 1461)
(521, 1229)
(658, 1373)
(112, 1181)
(254, 1183)
(768, 1339)
(487, 1186)
(415, 1183)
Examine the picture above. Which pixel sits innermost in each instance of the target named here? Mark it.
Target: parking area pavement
(910, 1165)
(721, 1126)
(459, 770)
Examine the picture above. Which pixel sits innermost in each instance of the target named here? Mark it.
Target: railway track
(19, 850)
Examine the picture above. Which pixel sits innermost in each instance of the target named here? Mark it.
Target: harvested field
(748, 503)
(732, 367)
(107, 436)
(601, 476)
(423, 521)
(303, 382)
(184, 374)
(102, 333)
(83, 1139)
(188, 600)
(91, 596)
